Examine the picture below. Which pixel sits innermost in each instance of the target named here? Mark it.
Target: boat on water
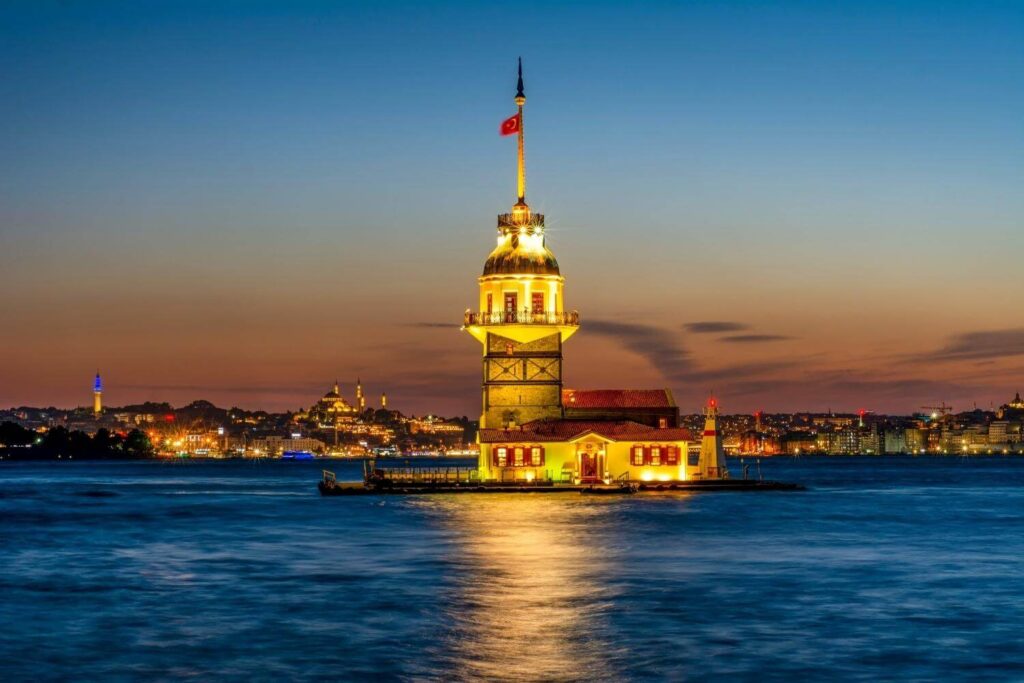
(298, 455)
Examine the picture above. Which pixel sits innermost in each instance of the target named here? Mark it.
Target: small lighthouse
(97, 395)
(712, 455)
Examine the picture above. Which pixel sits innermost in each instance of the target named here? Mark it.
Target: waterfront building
(844, 442)
(97, 395)
(997, 432)
(798, 443)
(531, 428)
(276, 445)
(895, 441)
(870, 440)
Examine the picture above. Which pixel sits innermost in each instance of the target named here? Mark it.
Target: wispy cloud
(982, 345)
(715, 327)
(665, 351)
(660, 346)
(754, 338)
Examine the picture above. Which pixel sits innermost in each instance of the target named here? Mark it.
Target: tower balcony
(524, 219)
(522, 317)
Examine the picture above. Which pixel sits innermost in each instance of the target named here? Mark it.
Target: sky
(792, 205)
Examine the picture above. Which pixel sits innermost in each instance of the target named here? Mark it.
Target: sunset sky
(795, 205)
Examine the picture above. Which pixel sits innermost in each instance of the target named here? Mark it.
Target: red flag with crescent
(510, 126)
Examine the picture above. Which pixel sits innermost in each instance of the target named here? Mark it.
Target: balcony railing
(522, 317)
(515, 220)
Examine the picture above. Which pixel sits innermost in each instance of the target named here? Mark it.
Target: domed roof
(512, 258)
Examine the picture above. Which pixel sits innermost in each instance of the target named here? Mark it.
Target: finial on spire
(521, 209)
(519, 85)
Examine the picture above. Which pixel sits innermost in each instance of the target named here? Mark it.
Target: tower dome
(521, 251)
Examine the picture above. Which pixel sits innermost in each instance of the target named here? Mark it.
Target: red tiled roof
(617, 398)
(567, 430)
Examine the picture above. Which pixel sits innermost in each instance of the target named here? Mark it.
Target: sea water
(886, 569)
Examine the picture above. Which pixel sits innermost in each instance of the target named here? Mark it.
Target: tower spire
(520, 99)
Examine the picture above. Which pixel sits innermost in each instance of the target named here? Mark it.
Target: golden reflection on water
(530, 601)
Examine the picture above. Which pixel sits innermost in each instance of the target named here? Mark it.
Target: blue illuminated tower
(97, 395)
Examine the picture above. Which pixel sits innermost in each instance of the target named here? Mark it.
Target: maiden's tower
(532, 429)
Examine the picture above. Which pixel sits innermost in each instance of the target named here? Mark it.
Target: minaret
(383, 400)
(97, 395)
(712, 455)
(360, 399)
(521, 321)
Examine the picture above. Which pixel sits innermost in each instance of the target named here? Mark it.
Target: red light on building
(169, 417)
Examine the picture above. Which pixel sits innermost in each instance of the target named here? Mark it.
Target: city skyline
(830, 221)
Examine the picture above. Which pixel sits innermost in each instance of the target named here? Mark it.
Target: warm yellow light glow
(664, 477)
(529, 476)
(646, 475)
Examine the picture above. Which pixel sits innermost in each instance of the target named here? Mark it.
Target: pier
(464, 479)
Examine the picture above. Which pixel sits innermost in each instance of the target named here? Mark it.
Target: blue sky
(191, 190)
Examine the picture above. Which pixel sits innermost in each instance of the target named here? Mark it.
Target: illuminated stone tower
(360, 399)
(97, 395)
(521, 321)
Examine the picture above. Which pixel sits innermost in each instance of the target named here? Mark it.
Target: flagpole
(520, 101)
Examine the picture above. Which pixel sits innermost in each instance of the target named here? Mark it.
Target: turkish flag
(510, 126)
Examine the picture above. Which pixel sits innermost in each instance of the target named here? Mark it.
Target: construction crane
(939, 411)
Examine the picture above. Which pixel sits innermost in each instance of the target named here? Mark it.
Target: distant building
(797, 443)
(330, 409)
(276, 445)
(997, 432)
(870, 441)
(97, 395)
(895, 441)
(845, 442)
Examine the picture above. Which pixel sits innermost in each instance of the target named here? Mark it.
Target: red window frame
(501, 456)
(643, 454)
(537, 303)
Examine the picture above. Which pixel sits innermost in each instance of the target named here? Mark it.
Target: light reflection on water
(530, 593)
(887, 569)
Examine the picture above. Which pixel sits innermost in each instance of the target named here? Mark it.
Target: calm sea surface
(889, 568)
